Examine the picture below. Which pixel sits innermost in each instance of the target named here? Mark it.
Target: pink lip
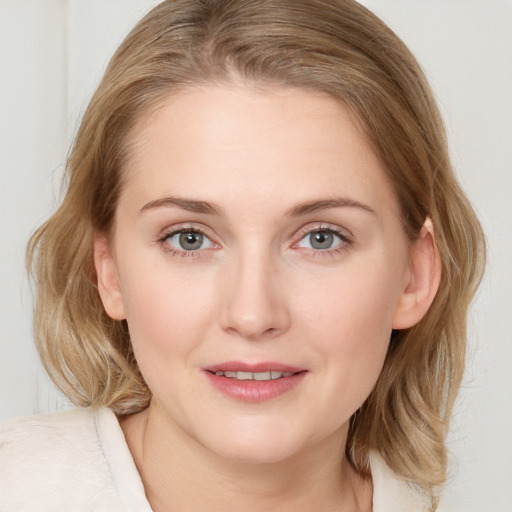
(254, 390)
(238, 366)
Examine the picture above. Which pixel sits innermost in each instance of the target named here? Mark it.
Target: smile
(254, 382)
(269, 375)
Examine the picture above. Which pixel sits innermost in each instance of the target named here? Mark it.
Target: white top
(78, 460)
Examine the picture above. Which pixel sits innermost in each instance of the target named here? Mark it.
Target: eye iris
(191, 241)
(321, 240)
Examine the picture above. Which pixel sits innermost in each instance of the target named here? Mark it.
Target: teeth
(269, 375)
(262, 376)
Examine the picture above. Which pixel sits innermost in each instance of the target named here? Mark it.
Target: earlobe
(108, 281)
(423, 283)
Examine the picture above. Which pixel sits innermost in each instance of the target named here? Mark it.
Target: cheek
(168, 316)
(358, 300)
(350, 319)
(167, 311)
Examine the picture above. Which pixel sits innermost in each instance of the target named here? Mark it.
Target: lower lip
(254, 390)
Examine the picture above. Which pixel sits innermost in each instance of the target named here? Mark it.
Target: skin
(257, 290)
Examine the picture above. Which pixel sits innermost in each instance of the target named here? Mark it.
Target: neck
(180, 474)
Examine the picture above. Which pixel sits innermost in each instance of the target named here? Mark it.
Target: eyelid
(173, 230)
(346, 239)
(186, 227)
(343, 233)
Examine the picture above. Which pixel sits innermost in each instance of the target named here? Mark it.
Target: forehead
(240, 144)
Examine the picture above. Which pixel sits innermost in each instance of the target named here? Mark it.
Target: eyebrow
(205, 207)
(325, 204)
(190, 205)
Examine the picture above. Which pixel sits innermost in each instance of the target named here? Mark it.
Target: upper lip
(239, 366)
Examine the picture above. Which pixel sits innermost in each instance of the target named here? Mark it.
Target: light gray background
(52, 53)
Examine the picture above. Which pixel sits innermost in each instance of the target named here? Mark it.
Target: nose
(255, 304)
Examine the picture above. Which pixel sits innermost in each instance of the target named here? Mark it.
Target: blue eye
(188, 240)
(321, 240)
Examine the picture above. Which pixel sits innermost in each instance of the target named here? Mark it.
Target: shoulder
(53, 425)
(392, 493)
(57, 460)
(31, 440)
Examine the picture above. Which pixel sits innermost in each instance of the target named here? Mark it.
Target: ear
(423, 282)
(108, 281)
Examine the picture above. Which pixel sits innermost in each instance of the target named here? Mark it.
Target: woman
(259, 275)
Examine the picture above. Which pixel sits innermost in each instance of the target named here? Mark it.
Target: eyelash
(162, 241)
(346, 241)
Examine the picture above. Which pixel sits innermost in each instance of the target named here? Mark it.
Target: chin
(250, 453)
(264, 445)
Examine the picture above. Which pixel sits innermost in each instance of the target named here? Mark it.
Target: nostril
(254, 310)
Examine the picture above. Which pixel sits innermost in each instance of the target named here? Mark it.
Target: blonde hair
(334, 46)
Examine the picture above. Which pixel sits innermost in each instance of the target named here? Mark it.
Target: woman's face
(259, 259)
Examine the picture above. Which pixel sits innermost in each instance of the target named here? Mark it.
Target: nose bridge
(255, 305)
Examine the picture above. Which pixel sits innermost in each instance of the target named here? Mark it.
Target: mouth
(254, 383)
(261, 376)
